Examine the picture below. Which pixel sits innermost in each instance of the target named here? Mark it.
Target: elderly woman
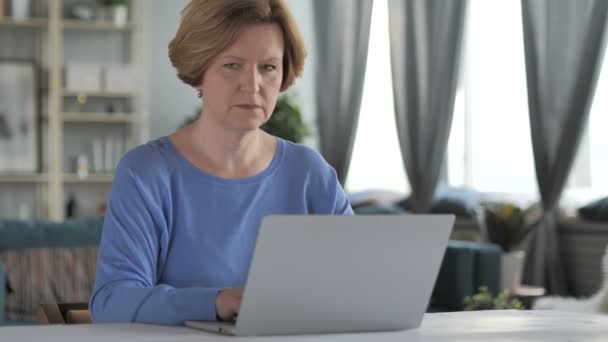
(184, 211)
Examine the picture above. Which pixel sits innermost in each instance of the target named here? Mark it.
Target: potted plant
(118, 11)
(507, 227)
(286, 121)
(483, 300)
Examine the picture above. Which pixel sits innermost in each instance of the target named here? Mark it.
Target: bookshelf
(64, 128)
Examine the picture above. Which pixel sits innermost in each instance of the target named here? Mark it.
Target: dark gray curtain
(563, 45)
(342, 32)
(426, 39)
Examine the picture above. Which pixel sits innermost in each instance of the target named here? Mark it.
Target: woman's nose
(251, 80)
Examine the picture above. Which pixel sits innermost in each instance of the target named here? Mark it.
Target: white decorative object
(82, 166)
(120, 14)
(25, 211)
(119, 150)
(119, 78)
(20, 9)
(512, 266)
(83, 77)
(83, 12)
(109, 154)
(98, 155)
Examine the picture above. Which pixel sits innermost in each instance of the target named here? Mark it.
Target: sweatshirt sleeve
(134, 239)
(329, 196)
(336, 194)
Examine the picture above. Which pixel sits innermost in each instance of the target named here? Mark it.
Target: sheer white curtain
(376, 159)
(589, 178)
(490, 147)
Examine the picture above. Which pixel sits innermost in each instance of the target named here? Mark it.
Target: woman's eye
(231, 66)
(269, 67)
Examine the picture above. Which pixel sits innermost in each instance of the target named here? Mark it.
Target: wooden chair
(64, 313)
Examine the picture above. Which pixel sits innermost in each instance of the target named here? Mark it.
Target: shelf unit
(71, 24)
(39, 23)
(68, 24)
(100, 178)
(97, 94)
(99, 117)
(54, 30)
(28, 178)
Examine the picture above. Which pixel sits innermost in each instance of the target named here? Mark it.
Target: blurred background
(494, 111)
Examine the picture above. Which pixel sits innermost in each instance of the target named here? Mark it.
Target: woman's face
(241, 86)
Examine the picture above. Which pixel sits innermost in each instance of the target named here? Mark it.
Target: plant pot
(20, 9)
(120, 15)
(512, 267)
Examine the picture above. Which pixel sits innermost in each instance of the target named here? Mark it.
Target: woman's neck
(225, 153)
(223, 144)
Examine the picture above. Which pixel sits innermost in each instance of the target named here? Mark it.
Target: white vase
(512, 267)
(20, 9)
(120, 15)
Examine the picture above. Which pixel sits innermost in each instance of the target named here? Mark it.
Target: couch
(466, 266)
(45, 262)
(48, 262)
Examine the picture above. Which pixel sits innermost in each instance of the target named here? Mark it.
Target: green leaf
(483, 301)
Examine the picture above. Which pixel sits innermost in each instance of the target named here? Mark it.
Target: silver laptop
(338, 274)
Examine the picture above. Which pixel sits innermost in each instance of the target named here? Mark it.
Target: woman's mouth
(247, 106)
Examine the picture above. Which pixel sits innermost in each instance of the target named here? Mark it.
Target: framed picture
(19, 116)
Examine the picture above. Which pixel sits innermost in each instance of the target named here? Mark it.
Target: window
(376, 160)
(490, 146)
(589, 179)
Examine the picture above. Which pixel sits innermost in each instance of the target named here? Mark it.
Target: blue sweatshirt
(174, 236)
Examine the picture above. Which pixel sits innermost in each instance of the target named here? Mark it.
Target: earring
(199, 93)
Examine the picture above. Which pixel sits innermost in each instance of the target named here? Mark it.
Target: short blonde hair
(208, 27)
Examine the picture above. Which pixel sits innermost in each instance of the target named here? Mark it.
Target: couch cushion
(378, 210)
(460, 201)
(22, 234)
(373, 197)
(47, 275)
(466, 266)
(455, 279)
(595, 211)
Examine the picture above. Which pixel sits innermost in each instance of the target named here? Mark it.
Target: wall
(171, 101)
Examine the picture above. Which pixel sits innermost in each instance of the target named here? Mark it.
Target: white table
(490, 326)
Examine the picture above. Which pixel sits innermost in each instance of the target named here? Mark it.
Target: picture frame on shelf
(19, 116)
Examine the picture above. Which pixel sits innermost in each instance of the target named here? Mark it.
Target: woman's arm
(133, 242)
(330, 197)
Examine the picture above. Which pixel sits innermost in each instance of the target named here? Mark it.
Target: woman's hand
(228, 303)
